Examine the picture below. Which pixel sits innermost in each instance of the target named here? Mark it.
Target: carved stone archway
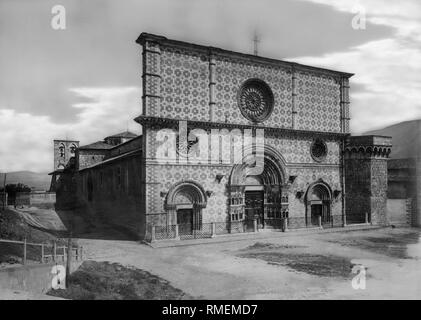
(318, 202)
(185, 195)
(271, 182)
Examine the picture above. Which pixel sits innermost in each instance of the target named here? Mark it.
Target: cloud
(98, 47)
(404, 16)
(84, 82)
(26, 142)
(387, 71)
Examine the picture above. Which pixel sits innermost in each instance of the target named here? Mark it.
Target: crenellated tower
(366, 179)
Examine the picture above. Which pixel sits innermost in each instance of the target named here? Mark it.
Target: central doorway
(316, 211)
(185, 220)
(254, 208)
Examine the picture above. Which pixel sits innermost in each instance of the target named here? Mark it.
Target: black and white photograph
(210, 154)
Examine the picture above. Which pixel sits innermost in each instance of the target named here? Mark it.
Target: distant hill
(35, 180)
(406, 138)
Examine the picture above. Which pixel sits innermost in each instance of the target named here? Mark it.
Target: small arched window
(73, 149)
(61, 150)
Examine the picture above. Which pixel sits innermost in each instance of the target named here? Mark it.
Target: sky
(84, 82)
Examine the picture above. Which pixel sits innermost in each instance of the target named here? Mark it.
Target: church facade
(233, 142)
(195, 96)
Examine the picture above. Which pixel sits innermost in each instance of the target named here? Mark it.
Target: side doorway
(185, 221)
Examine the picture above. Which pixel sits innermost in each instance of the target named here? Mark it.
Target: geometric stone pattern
(292, 148)
(318, 103)
(166, 176)
(297, 150)
(205, 176)
(184, 85)
(199, 85)
(184, 91)
(230, 75)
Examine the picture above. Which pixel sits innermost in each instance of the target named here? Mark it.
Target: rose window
(255, 100)
(318, 150)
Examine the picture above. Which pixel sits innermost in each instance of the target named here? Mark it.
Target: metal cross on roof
(256, 40)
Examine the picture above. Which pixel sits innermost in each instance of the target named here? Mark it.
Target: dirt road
(313, 266)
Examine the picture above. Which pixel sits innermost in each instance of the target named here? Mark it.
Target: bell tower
(63, 151)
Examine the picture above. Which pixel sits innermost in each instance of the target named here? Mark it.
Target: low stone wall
(42, 197)
(22, 199)
(397, 212)
(32, 198)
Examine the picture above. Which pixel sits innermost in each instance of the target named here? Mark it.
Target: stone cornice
(148, 121)
(163, 41)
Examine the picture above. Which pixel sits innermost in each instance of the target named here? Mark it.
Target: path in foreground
(313, 266)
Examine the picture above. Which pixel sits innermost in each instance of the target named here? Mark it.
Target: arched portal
(262, 197)
(184, 204)
(318, 204)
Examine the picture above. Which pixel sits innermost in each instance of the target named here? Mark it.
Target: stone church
(233, 142)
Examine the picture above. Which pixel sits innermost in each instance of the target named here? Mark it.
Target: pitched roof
(124, 155)
(125, 134)
(99, 145)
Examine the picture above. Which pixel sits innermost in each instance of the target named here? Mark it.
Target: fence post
(42, 253)
(319, 218)
(55, 251)
(24, 251)
(81, 253)
(177, 236)
(69, 257)
(213, 230)
(285, 225)
(153, 239)
(366, 217)
(254, 225)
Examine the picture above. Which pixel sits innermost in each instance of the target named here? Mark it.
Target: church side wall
(88, 158)
(115, 194)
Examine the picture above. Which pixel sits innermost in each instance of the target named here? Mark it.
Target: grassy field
(112, 281)
(13, 227)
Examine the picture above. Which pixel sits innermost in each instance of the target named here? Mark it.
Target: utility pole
(69, 258)
(4, 191)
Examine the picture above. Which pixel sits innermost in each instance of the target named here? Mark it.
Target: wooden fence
(49, 252)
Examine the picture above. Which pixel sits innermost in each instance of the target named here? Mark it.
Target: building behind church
(233, 142)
